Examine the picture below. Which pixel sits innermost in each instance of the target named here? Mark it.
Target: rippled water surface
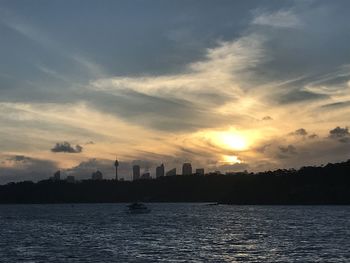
(174, 233)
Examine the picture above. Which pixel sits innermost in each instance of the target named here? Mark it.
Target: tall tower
(187, 169)
(116, 164)
(136, 172)
(160, 171)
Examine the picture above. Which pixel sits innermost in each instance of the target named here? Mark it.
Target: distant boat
(212, 204)
(138, 208)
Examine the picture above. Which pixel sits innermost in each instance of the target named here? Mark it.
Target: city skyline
(147, 173)
(244, 85)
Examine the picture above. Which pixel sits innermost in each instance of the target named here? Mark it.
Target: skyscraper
(160, 171)
(200, 171)
(136, 172)
(57, 176)
(186, 169)
(70, 179)
(97, 175)
(146, 175)
(171, 172)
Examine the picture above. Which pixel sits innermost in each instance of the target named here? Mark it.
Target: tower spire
(116, 164)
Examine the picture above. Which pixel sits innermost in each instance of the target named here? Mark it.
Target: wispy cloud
(281, 18)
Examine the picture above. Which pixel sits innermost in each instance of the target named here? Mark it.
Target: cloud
(281, 18)
(313, 136)
(144, 163)
(340, 134)
(237, 167)
(290, 149)
(66, 148)
(85, 168)
(19, 158)
(299, 132)
(279, 64)
(160, 113)
(297, 96)
(20, 168)
(267, 118)
(286, 152)
(315, 152)
(263, 148)
(185, 101)
(340, 104)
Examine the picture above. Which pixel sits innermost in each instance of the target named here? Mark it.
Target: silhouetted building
(136, 172)
(146, 175)
(97, 175)
(70, 179)
(216, 173)
(116, 164)
(160, 171)
(56, 176)
(186, 169)
(200, 171)
(171, 172)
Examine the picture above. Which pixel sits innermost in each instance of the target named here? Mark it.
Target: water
(174, 233)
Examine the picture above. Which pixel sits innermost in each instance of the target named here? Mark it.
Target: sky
(225, 85)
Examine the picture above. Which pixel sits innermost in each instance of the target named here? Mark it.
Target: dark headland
(329, 184)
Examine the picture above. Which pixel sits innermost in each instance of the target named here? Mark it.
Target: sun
(231, 159)
(233, 141)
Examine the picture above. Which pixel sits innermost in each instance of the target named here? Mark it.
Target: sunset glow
(233, 141)
(174, 90)
(167, 130)
(231, 159)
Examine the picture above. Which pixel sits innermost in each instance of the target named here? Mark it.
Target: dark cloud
(236, 167)
(312, 48)
(338, 79)
(85, 169)
(300, 96)
(24, 168)
(66, 148)
(263, 148)
(315, 152)
(267, 118)
(340, 134)
(167, 114)
(313, 136)
(212, 98)
(337, 105)
(195, 151)
(290, 149)
(299, 132)
(147, 164)
(19, 158)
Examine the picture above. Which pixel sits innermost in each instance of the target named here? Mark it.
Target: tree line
(328, 184)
